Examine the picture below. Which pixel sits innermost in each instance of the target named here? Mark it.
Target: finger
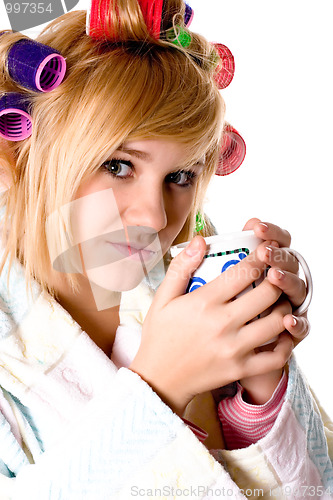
(236, 278)
(266, 329)
(278, 257)
(180, 271)
(255, 301)
(298, 327)
(291, 285)
(268, 231)
(251, 223)
(267, 361)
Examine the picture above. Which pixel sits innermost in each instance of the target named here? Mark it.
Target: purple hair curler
(36, 66)
(15, 120)
(188, 15)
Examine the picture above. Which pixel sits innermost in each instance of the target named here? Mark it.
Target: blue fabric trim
(11, 454)
(114, 443)
(4, 471)
(29, 420)
(302, 403)
(15, 302)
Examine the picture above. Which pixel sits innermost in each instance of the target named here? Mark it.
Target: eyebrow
(142, 155)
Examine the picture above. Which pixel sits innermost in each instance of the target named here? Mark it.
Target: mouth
(138, 253)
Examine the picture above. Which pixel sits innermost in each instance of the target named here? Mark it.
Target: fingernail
(269, 252)
(279, 274)
(263, 227)
(192, 248)
(294, 321)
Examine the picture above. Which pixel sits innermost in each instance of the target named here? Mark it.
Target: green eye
(181, 177)
(118, 168)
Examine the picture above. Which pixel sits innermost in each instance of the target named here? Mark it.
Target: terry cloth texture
(86, 430)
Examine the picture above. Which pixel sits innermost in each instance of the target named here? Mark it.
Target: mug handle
(309, 283)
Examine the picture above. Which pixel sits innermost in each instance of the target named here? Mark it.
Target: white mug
(226, 250)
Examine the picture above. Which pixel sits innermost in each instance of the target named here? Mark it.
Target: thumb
(180, 271)
(251, 223)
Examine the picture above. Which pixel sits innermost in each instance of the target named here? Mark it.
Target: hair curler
(225, 74)
(15, 120)
(189, 13)
(233, 151)
(98, 25)
(36, 66)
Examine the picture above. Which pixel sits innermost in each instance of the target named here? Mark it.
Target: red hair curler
(224, 75)
(98, 25)
(233, 151)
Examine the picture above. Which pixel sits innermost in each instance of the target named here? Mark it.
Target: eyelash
(190, 174)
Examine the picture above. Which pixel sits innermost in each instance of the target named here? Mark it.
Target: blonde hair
(138, 87)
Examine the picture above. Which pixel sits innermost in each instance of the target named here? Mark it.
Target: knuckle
(248, 270)
(252, 266)
(292, 259)
(288, 236)
(281, 359)
(277, 323)
(303, 328)
(271, 291)
(230, 350)
(285, 307)
(202, 309)
(303, 290)
(278, 314)
(175, 266)
(252, 222)
(179, 269)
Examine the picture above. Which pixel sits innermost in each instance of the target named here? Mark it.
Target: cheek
(178, 214)
(181, 207)
(96, 182)
(94, 210)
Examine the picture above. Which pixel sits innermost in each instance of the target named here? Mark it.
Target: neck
(96, 310)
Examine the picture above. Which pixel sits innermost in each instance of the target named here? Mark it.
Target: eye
(118, 168)
(195, 283)
(182, 178)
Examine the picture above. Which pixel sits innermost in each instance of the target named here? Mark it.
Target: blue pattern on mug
(233, 262)
(197, 282)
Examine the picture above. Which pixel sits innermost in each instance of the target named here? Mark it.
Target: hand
(283, 274)
(199, 341)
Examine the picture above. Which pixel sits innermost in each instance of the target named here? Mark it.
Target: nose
(147, 208)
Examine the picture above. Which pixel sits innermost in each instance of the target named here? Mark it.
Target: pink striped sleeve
(244, 424)
(198, 432)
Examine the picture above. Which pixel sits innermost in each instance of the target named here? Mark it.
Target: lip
(134, 253)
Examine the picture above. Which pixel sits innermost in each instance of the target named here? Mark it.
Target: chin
(119, 276)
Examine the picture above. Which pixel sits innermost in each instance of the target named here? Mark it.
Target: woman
(114, 173)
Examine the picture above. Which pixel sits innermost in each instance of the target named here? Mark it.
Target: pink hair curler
(232, 153)
(15, 120)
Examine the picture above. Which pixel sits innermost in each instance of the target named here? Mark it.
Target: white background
(280, 100)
